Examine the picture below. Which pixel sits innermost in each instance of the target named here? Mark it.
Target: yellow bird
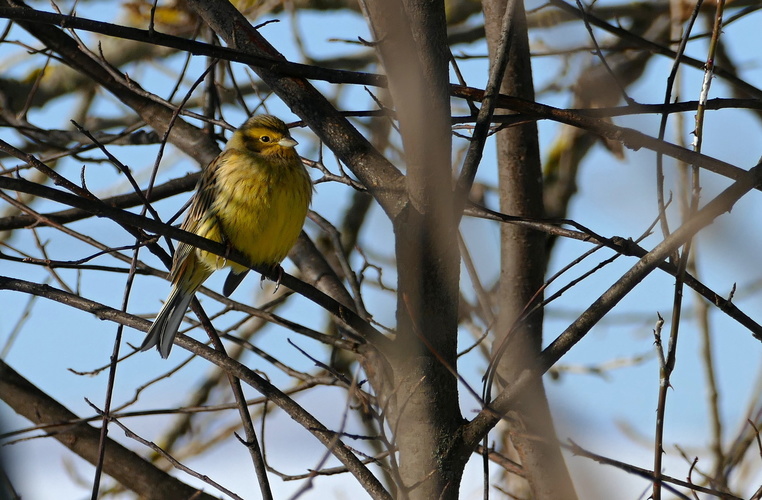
(253, 197)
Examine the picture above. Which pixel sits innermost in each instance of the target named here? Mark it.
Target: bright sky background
(614, 196)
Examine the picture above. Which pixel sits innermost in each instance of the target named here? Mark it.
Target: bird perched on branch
(254, 198)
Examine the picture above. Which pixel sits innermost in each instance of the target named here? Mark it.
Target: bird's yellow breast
(261, 204)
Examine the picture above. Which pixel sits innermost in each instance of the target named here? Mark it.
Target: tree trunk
(424, 413)
(523, 264)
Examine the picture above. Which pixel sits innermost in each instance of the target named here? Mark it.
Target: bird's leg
(279, 270)
(274, 269)
(225, 241)
(228, 250)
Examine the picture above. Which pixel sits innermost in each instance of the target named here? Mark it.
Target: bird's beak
(287, 142)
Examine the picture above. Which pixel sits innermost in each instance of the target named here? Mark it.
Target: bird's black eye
(265, 138)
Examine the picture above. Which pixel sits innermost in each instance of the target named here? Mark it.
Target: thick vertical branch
(411, 37)
(523, 264)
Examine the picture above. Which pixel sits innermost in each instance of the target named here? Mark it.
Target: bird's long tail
(162, 332)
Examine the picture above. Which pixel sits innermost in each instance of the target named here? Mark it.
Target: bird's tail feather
(162, 332)
(232, 281)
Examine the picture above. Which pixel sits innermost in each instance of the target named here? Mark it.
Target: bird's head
(263, 134)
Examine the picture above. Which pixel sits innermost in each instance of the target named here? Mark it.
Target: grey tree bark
(411, 40)
(522, 266)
